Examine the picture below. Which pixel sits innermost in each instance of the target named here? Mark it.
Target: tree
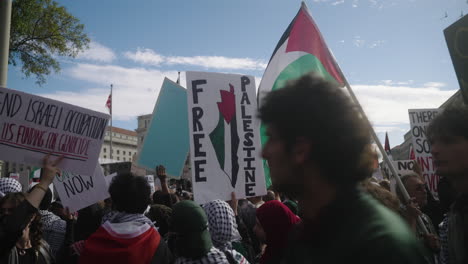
(42, 30)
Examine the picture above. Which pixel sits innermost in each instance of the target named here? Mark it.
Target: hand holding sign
(50, 169)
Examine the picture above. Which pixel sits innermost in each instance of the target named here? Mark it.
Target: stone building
(124, 146)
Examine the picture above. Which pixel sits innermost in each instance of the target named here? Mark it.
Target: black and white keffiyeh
(213, 256)
(54, 230)
(223, 228)
(9, 185)
(122, 217)
(222, 224)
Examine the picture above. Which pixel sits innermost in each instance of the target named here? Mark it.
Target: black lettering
(250, 176)
(249, 163)
(249, 189)
(198, 170)
(197, 113)
(244, 115)
(247, 123)
(12, 103)
(197, 145)
(80, 181)
(196, 89)
(244, 82)
(87, 184)
(249, 151)
(68, 188)
(248, 142)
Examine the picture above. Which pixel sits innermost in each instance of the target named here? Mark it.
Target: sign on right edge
(419, 121)
(456, 36)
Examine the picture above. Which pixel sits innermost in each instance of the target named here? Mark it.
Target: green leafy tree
(41, 32)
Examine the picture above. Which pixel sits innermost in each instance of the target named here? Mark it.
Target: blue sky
(392, 52)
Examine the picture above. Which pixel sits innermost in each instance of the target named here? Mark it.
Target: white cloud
(135, 89)
(150, 57)
(219, 62)
(145, 56)
(434, 84)
(376, 43)
(358, 42)
(339, 2)
(387, 105)
(97, 52)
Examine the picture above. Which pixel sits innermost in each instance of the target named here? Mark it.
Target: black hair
(319, 111)
(129, 193)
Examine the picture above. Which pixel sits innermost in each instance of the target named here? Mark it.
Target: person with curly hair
(318, 150)
(30, 247)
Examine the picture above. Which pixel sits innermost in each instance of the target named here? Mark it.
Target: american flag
(109, 103)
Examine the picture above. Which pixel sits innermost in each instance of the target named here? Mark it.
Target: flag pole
(110, 131)
(384, 154)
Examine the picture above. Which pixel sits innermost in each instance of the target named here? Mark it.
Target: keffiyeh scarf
(122, 217)
(213, 256)
(9, 185)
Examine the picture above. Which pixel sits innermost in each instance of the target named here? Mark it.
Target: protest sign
(150, 179)
(224, 136)
(32, 126)
(456, 36)
(402, 167)
(167, 140)
(419, 120)
(79, 191)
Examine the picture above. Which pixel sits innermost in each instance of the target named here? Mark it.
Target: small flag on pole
(109, 103)
(387, 144)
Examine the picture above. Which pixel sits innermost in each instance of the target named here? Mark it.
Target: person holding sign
(448, 137)
(20, 239)
(318, 150)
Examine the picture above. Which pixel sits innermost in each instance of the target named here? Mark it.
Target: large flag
(300, 50)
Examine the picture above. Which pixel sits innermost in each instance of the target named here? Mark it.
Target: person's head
(448, 137)
(222, 223)
(381, 194)
(415, 188)
(270, 196)
(129, 193)
(255, 199)
(9, 185)
(190, 225)
(274, 221)
(167, 199)
(312, 123)
(385, 184)
(57, 208)
(160, 214)
(34, 229)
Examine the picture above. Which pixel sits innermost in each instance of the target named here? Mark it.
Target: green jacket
(355, 228)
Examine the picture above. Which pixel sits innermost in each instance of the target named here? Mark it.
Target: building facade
(124, 146)
(143, 125)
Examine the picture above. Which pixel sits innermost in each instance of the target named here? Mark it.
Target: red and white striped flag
(109, 103)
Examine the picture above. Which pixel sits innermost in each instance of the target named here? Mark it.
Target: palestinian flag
(225, 138)
(300, 50)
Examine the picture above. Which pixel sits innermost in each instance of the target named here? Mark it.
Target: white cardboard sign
(419, 120)
(224, 136)
(32, 126)
(78, 191)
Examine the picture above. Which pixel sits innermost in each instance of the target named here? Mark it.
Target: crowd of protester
(323, 207)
